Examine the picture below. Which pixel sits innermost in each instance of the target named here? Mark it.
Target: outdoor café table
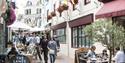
(98, 61)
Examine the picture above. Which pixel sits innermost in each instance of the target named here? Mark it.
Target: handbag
(51, 51)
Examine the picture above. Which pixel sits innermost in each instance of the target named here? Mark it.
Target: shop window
(60, 35)
(78, 37)
(87, 1)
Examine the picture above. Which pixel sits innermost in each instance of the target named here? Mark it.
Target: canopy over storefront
(19, 25)
(112, 9)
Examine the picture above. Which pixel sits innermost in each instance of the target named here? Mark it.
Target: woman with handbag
(52, 46)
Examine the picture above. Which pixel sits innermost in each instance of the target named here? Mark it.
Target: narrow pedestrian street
(77, 31)
(61, 58)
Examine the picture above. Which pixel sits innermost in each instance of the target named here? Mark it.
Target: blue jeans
(52, 58)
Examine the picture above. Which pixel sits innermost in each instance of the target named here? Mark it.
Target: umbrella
(19, 25)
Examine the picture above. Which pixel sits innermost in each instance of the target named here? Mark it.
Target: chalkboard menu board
(19, 59)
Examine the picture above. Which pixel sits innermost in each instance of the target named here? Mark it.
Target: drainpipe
(68, 33)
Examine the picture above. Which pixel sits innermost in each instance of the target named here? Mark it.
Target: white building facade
(33, 13)
(68, 28)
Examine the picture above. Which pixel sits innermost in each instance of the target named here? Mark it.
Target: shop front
(59, 31)
(115, 10)
(78, 38)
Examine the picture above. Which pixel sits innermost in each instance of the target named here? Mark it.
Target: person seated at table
(120, 55)
(12, 52)
(91, 54)
(104, 56)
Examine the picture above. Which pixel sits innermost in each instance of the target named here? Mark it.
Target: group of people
(43, 45)
(119, 56)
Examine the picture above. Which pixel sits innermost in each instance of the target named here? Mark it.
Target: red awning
(112, 9)
(84, 20)
(59, 26)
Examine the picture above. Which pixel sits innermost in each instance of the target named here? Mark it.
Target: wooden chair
(78, 52)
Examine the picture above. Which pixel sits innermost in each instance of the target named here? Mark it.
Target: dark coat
(43, 44)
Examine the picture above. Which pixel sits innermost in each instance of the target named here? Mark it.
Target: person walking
(37, 38)
(43, 45)
(58, 43)
(52, 46)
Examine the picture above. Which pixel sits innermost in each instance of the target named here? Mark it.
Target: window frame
(58, 36)
(80, 39)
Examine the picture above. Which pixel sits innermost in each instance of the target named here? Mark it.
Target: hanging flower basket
(9, 16)
(12, 17)
(65, 7)
(53, 13)
(49, 17)
(60, 10)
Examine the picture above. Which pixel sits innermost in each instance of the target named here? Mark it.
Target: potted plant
(49, 17)
(53, 13)
(65, 6)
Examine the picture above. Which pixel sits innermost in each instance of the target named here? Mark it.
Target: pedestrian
(24, 40)
(57, 41)
(12, 52)
(52, 46)
(15, 39)
(43, 45)
(58, 44)
(120, 56)
(37, 41)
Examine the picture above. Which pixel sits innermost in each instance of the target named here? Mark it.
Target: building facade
(64, 19)
(68, 24)
(33, 13)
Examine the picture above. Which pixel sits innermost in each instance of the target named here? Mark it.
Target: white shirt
(120, 57)
(37, 39)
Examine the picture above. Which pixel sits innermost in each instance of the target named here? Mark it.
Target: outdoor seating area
(23, 56)
(15, 59)
(80, 57)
